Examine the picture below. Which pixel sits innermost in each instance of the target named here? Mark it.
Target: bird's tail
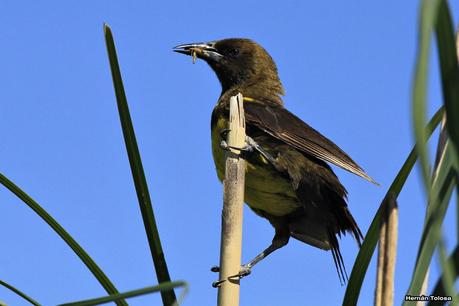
(346, 223)
(323, 236)
(337, 258)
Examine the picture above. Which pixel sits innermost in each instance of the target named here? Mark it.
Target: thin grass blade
(449, 275)
(439, 199)
(427, 20)
(448, 269)
(449, 70)
(134, 293)
(20, 293)
(79, 251)
(439, 289)
(138, 174)
(435, 14)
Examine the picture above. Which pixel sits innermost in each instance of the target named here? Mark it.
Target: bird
(289, 180)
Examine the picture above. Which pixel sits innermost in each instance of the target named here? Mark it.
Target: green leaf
(436, 14)
(439, 289)
(81, 253)
(20, 293)
(138, 175)
(448, 270)
(428, 15)
(147, 290)
(449, 70)
(439, 199)
(371, 239)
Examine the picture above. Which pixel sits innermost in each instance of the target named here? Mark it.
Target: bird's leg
(254, 145)
(278, 242)
(280, 239)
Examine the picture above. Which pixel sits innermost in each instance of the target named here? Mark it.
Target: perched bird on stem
(288, 180)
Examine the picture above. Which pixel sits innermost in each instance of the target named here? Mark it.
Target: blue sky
(347, 70)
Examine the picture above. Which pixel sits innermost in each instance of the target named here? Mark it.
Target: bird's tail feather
(325, 237)
(348, 224)
(351, 227)
(337, 258)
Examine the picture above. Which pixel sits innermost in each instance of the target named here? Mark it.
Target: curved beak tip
(204, 51)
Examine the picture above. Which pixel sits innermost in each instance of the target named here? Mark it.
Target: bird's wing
(277, 121)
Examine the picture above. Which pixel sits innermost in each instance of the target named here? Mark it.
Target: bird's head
(237, 62)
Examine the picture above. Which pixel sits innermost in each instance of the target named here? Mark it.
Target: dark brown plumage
(288, 180)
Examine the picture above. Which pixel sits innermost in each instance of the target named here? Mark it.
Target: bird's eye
(234, 52)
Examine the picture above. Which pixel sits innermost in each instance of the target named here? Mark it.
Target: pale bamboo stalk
(387, 253)
(380, 264)
(391, 252)
(233, 199)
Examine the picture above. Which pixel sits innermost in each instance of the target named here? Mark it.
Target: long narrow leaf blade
(81, 253)
(449, 70)
(448, 270)
(439, 289)
(138, 175)
(20, 293)
(134, 293)
(448, 276)
(442, 188)
(428, 14)
(435, 14)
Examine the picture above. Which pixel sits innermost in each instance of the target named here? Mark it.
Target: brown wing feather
(285, 126)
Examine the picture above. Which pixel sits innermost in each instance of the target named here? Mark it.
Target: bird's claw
(224, 145)
(249, 147)
(218, 283)
(243, 272)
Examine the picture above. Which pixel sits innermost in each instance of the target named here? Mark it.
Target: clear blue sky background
(347, 69)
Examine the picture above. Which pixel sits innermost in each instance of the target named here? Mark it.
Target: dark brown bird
(288, 180)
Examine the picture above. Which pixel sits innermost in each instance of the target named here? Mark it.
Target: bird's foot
(243, 272)
(250, 146)
(245, 149)
(218, 283)
(224, 145)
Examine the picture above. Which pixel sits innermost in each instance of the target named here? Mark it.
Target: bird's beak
(205, 51)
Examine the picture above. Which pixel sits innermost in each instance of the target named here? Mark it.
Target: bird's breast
(265, 188)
